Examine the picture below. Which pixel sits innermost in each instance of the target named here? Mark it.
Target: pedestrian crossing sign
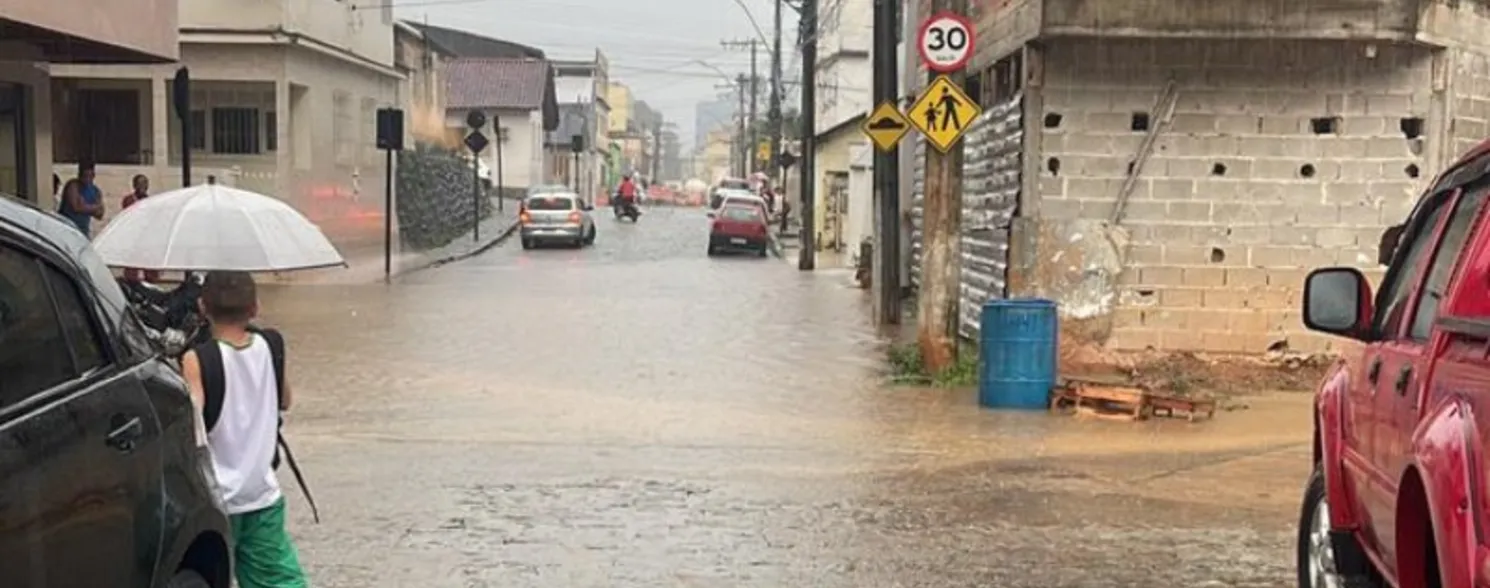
(943, 113)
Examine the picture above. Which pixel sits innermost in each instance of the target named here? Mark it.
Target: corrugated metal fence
(990, 196)
(917, 210)
(991, 181)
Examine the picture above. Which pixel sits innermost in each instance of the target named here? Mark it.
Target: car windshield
(734, 185)
(740, 213)
(551, 203)
(547, 189)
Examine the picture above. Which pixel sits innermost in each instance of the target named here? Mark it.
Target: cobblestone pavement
(638, 414)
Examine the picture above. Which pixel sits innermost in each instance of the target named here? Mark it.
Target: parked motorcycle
(171, 317)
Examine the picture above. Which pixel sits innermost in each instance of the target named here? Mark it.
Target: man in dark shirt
(85, 202)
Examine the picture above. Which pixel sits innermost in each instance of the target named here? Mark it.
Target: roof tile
(497, 83)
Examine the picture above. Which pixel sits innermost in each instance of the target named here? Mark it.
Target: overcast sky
(653, 45)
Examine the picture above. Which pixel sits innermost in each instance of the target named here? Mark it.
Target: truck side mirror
(1338, 301)
(1388, 245)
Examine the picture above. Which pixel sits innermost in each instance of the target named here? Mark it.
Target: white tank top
(243, 439)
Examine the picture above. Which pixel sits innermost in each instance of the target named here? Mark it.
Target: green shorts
(263, 555)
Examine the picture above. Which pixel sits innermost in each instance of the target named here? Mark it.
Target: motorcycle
(171, 317)
(625, 209)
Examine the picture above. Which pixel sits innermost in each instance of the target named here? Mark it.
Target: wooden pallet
(1124, 403)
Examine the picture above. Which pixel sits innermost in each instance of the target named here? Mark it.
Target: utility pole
(741, 135)
(936, 312)
(777, 131)
(807, 38)
(753, 130)
(887, 169)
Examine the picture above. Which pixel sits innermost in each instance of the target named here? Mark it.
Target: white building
(581, 88)
(845, 71)
(512, 93)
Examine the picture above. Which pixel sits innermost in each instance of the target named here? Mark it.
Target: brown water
(640, 415)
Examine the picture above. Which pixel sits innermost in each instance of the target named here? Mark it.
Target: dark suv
(103, 480)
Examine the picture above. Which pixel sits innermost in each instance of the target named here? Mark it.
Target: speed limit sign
(946, 42)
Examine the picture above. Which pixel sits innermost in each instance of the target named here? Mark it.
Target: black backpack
(214, 387)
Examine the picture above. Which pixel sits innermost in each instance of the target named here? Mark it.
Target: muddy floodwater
(638, 414)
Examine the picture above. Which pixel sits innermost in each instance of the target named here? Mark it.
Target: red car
(1398, 495)
(739, 228)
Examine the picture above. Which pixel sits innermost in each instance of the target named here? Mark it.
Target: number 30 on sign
(946, 42)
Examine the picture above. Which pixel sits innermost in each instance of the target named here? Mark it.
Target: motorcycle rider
(626, 195)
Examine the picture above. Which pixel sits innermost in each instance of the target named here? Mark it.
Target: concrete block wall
(1282, 156)
(1470, 93)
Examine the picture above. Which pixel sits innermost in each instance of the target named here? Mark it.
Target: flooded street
(637, 414)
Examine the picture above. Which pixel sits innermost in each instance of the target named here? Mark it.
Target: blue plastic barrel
(1018, 353)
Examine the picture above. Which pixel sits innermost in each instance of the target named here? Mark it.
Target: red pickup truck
(1398, 496)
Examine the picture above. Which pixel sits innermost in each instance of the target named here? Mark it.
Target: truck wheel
(188, 579)
(1320, 558)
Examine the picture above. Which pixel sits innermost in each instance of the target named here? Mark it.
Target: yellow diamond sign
(885, 126)
(943, 113)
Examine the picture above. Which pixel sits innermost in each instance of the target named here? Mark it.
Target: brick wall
(1282, 156)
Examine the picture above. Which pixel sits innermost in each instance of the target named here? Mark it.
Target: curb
(502, 235)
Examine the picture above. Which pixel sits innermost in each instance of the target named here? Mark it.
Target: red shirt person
(141, 191)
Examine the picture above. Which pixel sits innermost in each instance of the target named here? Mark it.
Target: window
(105, 129)
(550, 203)
(1444, 260)
(271, 131)
(236, 131)
(1391, 302)
(738, 213)
(198, 130)
(74, 314)
(34, 355)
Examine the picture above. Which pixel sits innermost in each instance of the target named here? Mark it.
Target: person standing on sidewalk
(237, 381)
(81, 200)
(141, 185)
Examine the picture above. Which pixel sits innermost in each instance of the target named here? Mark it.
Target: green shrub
(907, 366)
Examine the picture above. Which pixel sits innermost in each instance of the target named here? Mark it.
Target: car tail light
(574, 218)
(525, 218)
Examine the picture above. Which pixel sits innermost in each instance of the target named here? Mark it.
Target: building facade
(44, 36)
(514, 94)
(845, 68)
(621, 103)
(843, 84)
(283, 101)
(582, 88)
(424, 65)
(713, 114)
(1284, 138)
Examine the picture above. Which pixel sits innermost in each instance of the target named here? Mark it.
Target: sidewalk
(366, 265)
(493, 231)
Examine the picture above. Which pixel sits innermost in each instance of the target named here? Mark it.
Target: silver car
(556, 218)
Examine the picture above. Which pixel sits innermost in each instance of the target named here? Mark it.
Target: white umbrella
(214, 227)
